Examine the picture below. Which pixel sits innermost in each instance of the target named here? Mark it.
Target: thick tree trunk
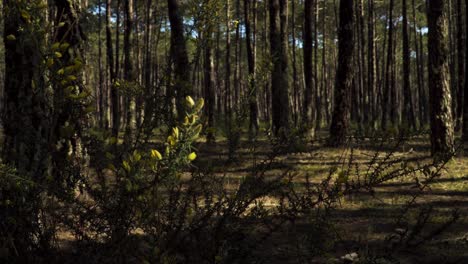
(279, 77)
(460, 66)
(179, 57)
(465, 99)
(344, 75)
(440, 100)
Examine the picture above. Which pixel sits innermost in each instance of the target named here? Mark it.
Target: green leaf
(126, 166)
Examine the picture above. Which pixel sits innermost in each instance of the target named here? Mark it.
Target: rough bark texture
(279, 77)
(465, 99)
(440, 100)
(344, 75)
(460, 65)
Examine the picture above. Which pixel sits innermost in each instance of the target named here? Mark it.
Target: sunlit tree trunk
(440, 100)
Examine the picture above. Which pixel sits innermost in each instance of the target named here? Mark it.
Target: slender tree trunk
(112, 73)
(318, 93)
(307, 111)
(252, 91)
(409, 117)
(227, 77)
(344, 75)
(371, 68)
(295, 97)
(442, 136)
(388, 80)
(208, 78)
(128, 71)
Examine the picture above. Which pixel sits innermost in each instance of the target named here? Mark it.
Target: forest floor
(364, 221)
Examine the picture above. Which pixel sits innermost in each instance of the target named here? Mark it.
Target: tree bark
(252, 88)
(307, 111)
(442, 137)
(388, 87)
(279, 77)
(344, 75)
(179, 57)
(128, 72)
(409, 117)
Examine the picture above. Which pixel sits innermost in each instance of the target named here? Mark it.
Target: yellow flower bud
(190, 101)
(200, 104)
(192, 156)
(175, 132)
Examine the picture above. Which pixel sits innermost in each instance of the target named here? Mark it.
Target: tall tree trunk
(465, 99)
(388, 87)
(128, 71)
(208, 78)
(112, 73)
(344, 75)
(279, 78)
(227, 77)
(440, 101)
(295, 96)
(252, 88)
(409, 117)
(371, 67)
(461, 65)
(179, 56)
(101, 93)
(318, 94)
(307, 111)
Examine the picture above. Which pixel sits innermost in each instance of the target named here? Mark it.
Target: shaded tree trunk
(279, 78)
(112, 73)
(409, 117)
(344, 75)
(387, 109)
(252, 88)
(179, 57)
(307, 111)
(128, 71)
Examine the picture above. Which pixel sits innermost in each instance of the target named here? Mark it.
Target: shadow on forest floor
(364, 220)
